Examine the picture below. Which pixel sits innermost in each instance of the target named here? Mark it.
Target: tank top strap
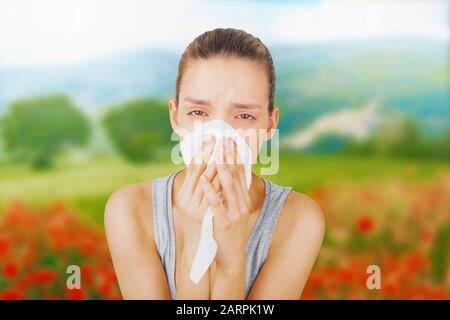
(276, 197)
(163, 226)
(261, 236)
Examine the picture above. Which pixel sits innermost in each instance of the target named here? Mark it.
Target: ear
(273, 122)
(173, 115)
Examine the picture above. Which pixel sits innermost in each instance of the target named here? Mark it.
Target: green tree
(398, 136)
(36, 129)
(138, 128)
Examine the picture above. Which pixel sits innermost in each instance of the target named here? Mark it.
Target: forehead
(225, 78)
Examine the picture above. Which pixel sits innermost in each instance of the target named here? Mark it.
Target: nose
(219, 115)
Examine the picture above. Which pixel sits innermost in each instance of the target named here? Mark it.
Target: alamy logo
(74, 278)
(374, 280)
(259, 140)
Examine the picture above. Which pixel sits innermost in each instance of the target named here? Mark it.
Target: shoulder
(293, 250)
(130, 237)
(301, 220)
(130, 208)
(304, 210)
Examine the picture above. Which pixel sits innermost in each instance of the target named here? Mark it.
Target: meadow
(87, 184)
(384, 211)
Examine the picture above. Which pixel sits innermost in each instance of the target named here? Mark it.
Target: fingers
(236, 170)
(240, 170)
(214, 200)
(210, 171)
(202, 154)
(228, 186)
(189, 188)
(211, 176)
(225, 180)
(208, 189)
(241, 181)
(229, 153)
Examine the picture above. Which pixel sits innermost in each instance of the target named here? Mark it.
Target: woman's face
(231, 89)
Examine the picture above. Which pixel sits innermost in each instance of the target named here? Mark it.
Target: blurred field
(383, 211)
(86, 186)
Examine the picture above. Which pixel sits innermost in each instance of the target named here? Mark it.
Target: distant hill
(406, 75)
(97, 83)
(352, 123)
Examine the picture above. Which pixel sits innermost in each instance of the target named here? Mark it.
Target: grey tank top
(257, 246)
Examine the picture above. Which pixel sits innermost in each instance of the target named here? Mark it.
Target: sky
(64, 32)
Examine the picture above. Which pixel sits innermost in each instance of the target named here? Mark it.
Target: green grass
(87, 186)
(304, 172)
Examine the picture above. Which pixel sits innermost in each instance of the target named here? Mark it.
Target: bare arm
(133, 251)
(289, 262)
(186, 289)
(230, 282)
(136, 260)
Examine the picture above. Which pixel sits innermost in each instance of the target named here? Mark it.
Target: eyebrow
(247, 105)
(197, 101)
(235, 104)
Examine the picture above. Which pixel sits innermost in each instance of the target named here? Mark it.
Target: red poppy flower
(11, 295)
(76, 294)
(365, 224)
(5, 245)
(106, 287)
(10, 270)
(87, 274)
(44, 276)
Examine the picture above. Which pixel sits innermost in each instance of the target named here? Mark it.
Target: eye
(197, 113)
(246, 116)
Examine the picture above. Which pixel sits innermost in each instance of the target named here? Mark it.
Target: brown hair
(228, 42)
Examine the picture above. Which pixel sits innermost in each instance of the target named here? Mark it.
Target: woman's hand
(191, 205)
(231, 210)
(190, 201)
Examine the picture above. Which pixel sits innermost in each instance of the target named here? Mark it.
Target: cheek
(188, 122)
(255, 134)
(254, 142)
(185, 126)
(255, 152)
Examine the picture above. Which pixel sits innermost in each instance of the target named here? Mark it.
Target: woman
(268, 238)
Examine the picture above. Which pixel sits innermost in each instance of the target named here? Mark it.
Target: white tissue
(207, 248)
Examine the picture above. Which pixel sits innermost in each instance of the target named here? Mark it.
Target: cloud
(337, 20)
(59, 32)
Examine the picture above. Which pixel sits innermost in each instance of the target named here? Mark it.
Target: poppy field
(37, 246)
(398, 222)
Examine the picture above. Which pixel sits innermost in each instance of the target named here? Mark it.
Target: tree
(399, 137)
(138, 128)
(38, 128)
(395, 136)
